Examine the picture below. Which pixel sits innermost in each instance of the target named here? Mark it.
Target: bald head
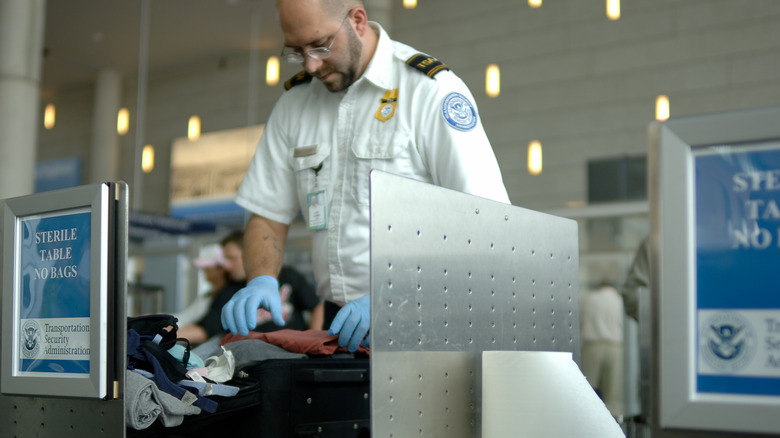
(333, 8)
(339, 8)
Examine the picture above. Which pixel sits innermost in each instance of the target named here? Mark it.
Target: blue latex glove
(239, 315)
(352, 323)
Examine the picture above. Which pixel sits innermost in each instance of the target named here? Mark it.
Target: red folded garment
(307, 342)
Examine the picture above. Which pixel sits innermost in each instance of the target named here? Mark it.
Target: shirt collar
(379, 70)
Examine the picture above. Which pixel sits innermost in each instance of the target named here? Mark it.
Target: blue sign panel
(57, 174)
(55, 293)
(737, 257)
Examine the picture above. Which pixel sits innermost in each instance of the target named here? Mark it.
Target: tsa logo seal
(386, 110)
(727, 342)
(31, 339)
(459, 112)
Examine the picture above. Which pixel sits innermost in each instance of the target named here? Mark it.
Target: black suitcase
(323, 397)
(298, 398)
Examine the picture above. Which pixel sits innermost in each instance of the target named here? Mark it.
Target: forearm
(193, 333)
(264, 247)
(318, 317)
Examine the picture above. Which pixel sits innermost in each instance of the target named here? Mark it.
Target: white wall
(581, 84)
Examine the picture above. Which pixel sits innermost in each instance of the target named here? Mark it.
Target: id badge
(315, 206)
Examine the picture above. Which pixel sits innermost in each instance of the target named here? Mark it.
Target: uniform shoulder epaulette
(426, 64)
(301, 78)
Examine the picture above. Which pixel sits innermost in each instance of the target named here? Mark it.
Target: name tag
(305, 151)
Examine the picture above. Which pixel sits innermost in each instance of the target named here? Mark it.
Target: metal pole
(140, 124)
(254, 66)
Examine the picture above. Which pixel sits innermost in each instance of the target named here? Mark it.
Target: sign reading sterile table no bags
(59, 256)
(54, 306)
(714, 191)
(737, 257)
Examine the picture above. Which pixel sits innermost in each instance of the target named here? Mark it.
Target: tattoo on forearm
(279, 250)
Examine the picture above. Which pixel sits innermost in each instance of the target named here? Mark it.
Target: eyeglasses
(318, 53)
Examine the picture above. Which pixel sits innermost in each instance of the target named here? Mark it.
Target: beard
(347, 72)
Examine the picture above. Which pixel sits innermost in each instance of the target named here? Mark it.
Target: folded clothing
(314, 342)
(208, 388)
(251, 351)
(145, 403)
(147, 355)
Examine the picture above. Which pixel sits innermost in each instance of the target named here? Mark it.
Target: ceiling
(85, 36)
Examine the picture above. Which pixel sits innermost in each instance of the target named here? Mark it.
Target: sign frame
(99, 255)
(674, 148)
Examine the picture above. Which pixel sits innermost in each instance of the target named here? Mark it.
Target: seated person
(210, 324)
(212, 263)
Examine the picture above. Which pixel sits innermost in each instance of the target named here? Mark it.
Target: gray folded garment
(208, 348)
(249, 351)
(144, 403)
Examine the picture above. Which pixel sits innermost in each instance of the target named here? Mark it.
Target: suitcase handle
(316, 375)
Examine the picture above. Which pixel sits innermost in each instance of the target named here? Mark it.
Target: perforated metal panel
(453, 275)
(51, 417)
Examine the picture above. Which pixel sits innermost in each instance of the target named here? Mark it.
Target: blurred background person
(601, 330)
(212, 263)
(210, 324)
(302, 308)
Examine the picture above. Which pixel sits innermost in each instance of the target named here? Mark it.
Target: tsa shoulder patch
(426, 64)
(301, 78)
(459, 112)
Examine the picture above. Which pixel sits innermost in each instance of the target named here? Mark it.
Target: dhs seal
(727, 342)
(459, 112)
(386, 110)
(31, 339)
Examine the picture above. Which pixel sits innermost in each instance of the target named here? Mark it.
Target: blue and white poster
(737, 260)
(54, 302)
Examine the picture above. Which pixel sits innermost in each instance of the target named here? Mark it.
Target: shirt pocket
(369, 153)
(311, 170)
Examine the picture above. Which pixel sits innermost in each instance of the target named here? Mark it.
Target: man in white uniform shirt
(375, 104)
